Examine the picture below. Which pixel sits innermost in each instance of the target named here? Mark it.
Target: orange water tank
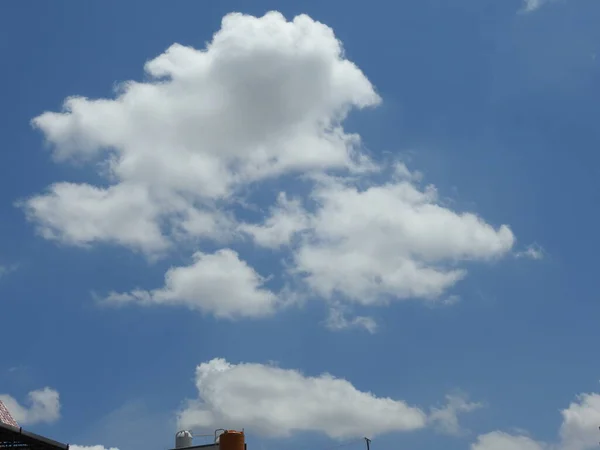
(232, 440)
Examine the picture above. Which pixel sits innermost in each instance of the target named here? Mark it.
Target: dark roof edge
(34, 436)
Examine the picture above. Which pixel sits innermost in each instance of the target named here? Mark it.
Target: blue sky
(494, 103)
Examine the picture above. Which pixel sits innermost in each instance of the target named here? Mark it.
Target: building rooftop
(5, 417)
(14, 437)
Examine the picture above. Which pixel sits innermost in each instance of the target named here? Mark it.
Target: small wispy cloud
(6, 269)
(338, 320)
(446, 419)
(533, 251)
(533, 5)
(530, 6)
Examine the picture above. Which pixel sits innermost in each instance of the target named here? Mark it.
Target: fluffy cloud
(391, 241)
(503, 441)
(80, 214)
(285, 220)
(218, 283)
(182, 151)
(386, 241)
(266, 97)
(367, 246)
(42, 405)
(578, 431)
(276, 402)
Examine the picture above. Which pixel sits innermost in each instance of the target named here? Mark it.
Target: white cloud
(42, 405)
(497, 440)
(266, 97)
(219, 283)
(277, 402)
(533, 5)
(578, 431)
(533, 251)
(338, 320)
(385, 242)
(81, 214)
(445, 419)
(391, 241)
(286, 219)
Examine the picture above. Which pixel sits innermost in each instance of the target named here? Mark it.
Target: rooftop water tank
(232, 440)
(183, 439)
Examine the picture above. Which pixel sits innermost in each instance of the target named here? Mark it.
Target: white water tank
(183, 439)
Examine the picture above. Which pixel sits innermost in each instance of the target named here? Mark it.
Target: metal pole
(368, 441)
